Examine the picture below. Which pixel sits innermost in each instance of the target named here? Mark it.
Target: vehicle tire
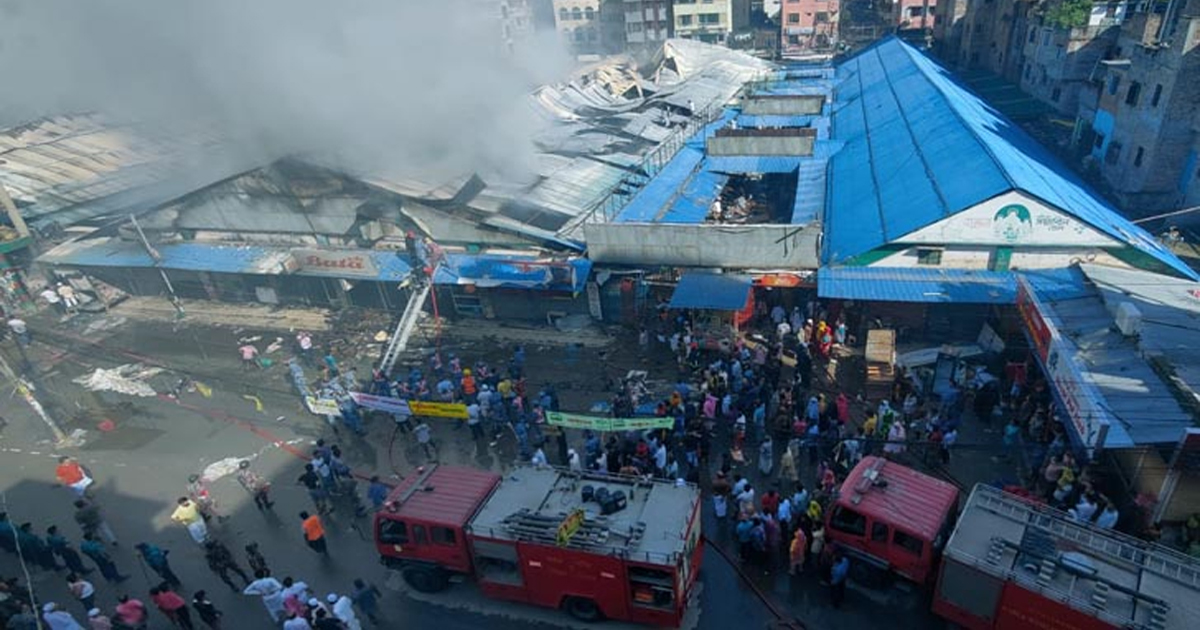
(582, 609)
(425, 580)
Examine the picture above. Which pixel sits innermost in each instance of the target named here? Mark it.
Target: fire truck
(596, 547)
(1005, 562)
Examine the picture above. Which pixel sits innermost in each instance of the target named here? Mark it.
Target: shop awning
(934, 285)
(712, 292)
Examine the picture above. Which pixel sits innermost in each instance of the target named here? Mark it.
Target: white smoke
(377, 84)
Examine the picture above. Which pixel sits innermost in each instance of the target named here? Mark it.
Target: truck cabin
(895, 519)
(422, 521)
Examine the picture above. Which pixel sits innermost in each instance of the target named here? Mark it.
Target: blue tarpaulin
(514, 272)
(712, 292)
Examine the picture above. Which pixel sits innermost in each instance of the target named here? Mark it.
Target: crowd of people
(21, 608)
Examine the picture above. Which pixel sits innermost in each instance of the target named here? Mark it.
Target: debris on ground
(125, 379)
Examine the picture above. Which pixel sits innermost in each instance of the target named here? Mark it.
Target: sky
(370, 84)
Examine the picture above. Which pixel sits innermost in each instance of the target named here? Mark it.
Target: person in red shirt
(172, 605)
(131, 612)
(314, 532)
(770, 502)
(72, 475)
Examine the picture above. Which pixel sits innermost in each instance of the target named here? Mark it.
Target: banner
(456, 411)
(322, 406)
(382, 403)
(604, 423)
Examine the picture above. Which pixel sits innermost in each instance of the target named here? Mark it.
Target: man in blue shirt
(377, 492)
(837, 578)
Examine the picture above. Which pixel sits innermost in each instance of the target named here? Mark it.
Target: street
(142, 450)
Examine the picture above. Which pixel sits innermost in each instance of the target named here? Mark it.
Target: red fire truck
(1006, 563)
(596, 547)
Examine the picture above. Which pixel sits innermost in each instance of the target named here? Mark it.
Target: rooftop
(913, 501)
(531, 502)
(919, 147)
(1039, 548)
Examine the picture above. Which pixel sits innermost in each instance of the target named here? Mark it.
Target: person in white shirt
(343, 609)
(67, 293)
(1108, 518)
(1085, 509)
(539, 458)
(51, 297)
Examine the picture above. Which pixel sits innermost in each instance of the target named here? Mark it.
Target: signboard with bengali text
(335, 263)
(606, 424)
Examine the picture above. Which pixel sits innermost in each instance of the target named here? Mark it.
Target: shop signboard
(335, 263)
(1078, 397)
(1030, 308)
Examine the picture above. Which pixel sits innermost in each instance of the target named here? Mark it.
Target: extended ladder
(404, 328)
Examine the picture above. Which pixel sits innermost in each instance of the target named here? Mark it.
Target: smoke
(374, 85)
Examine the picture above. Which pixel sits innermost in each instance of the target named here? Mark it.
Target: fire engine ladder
(1134, 552)
(405, 327)
(541, 528)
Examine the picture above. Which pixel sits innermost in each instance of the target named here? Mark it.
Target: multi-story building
(712, 21)
(988, 36)
(647, 22)
(947, 28)
(1140, 118)
(578, 23)
(1057, 62)
(913, 14)
(808, 26)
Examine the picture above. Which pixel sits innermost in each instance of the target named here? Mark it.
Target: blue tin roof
(938, 285)
(920, 146)
(712, 292)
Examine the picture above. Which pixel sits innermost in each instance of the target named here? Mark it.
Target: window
(634, 27)
(879, 532)
(821, 17)
(848, 521)
(1056, 94)
(579, 34)
(1114, 153)
(1099, 141)
(1132, 94)
(564, 14)
(1137, 157)
(1046, 38)
(591, 34)
(710, 18)
(653, 588)
(908, 543)
(794, 40)
(929, 256)
(685, 20)
(1156, 96)
(1032, 35)
(443, 535)
(589, 13)
(1114, 82)
(393, 532)
(793, 18)
(576, 13)
(419, 536)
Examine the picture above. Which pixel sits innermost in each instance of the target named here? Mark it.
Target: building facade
(1140, 118)
(578, 23)
(710, 21)
(1057, 63)
(914, 14)
(808, 26)
(648, 23)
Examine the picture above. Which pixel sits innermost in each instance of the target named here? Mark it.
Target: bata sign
(339, 264)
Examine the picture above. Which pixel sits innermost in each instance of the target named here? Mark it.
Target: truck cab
(419, 531)
(893, 519)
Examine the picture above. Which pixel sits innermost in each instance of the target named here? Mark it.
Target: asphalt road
(142, 464)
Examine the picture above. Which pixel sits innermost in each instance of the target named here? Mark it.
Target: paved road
(142, 465)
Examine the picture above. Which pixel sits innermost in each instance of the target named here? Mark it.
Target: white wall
(978, 257)
(984, 225)
(705, 245)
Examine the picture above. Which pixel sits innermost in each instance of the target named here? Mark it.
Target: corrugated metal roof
(115, 252)
(697, 196)
(752, 163)
(938, 285)
(71, 168)
(919, 147)
(712, 292)
(1140, 407)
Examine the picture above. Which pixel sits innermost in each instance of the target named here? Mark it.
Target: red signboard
(1027, 305)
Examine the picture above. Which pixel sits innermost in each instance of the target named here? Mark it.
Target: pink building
(808, 26)
(913, 14)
